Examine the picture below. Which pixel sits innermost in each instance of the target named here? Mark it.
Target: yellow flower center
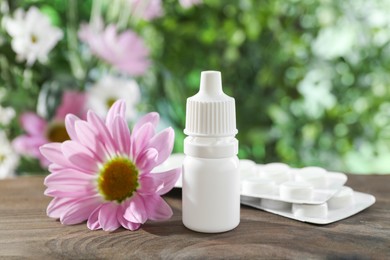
(34, 38)
(56, 132)
(2, 158)
(110, 102)
(118, 179)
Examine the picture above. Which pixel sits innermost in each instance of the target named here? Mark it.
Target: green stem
(96, 11)
(74, 58)
(124, 17)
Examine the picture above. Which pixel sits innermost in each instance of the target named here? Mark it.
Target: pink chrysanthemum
(126, 51)
(103, 174)
(39, 131)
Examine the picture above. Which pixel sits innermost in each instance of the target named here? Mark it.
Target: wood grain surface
(26, 231)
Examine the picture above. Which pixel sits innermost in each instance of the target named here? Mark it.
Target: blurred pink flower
(73, 102)
(146, 9)
(126, 51)
(40, 132)
(103, 174)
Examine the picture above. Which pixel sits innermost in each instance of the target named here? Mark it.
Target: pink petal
(126, 51)
(33, 124)
(104, 135)
(55, 167)
(152, 118)
(84, 32)
(29, 145)
(163, 143)
(135, 211)
(121, 133)
(166, 179)
(53, 152)
(93, 220)
(141, 139)
(68, 177)
(58, 206)
(124, 222)
(99, 48)
(110, 40)
(43, 161)
(89, 138)
(126, 38)
(72, 103)
(70, 121)
(132, 68)
(71, 191)
(117, 109)
(107, 217)
(157, 208)
(79, 211)
(147, 160)
(80, 156)
(99, 43)
(148, 185)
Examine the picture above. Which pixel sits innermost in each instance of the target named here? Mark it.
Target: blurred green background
(310, 78)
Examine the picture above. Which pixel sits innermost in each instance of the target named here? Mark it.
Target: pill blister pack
(343, 204)
(309, 194)
(277, 181)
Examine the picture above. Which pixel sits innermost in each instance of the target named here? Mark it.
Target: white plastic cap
(210, 112)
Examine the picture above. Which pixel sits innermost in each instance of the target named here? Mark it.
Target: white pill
(275, 204)
(313, 175)
(257, 186)
(293, 190)
(341, 199)
(310, 211)
(278, 172)
(247, 168)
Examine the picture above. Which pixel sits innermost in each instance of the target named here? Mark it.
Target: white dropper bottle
(211, 182)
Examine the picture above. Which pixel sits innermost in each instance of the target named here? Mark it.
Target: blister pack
(343, 204)
(277, 181)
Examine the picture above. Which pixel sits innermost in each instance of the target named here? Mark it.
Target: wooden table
(26, 231)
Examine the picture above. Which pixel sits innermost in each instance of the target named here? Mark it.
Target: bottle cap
(210, 112)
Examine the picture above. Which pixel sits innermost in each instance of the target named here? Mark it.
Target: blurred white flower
(33, 36)
(335, 41)
(316, 90)
(8, 158)
(106, 91)
(6, 115)
(189, 3)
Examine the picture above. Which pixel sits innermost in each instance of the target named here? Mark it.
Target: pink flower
(103, 174)
(146, 9)
(40, 132)
(72, 102)
(126, 51)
